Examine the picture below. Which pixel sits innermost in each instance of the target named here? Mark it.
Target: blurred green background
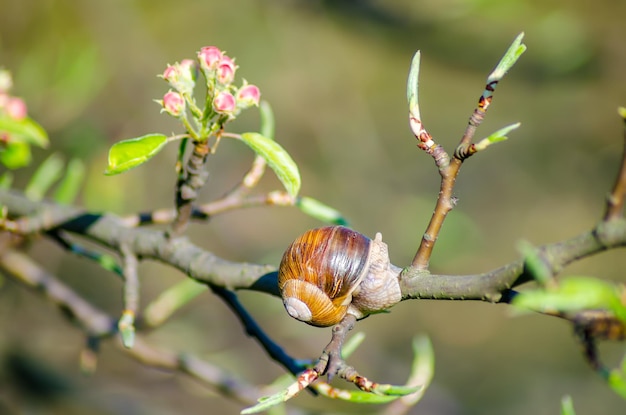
(334, 73)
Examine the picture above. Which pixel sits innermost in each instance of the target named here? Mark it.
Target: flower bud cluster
(219, 70)
(224, 101)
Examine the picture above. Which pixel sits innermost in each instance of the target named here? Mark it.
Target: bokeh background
(334, 73)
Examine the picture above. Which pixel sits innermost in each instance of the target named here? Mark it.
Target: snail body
(329, 272)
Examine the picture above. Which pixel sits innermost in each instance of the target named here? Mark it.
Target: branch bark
(201, 265)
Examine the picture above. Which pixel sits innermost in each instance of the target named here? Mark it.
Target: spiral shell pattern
(319, 273)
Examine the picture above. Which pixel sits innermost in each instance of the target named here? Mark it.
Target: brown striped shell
(322, 272)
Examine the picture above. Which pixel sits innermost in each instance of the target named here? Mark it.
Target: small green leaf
(25, 130)
(421, 374)
(397, 390)
(381, 394)
(358, 396)
(422, 368)
(617, 382)
(571, 294)
(622, 112)
(6, 180)
(533, 262)
(126, 326)
(496, 137)
(266, 403)
(508, 60)
(318, 210)
(277, 158)
(171, 300)
(412, 86)
(502, 132)
(130, 153)
(567, 406)
(352, 344)
(15, 155)
(267, 120)
(70, 185)
(109, 263)
(44, 177)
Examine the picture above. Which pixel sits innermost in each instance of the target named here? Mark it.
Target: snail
(329, 272)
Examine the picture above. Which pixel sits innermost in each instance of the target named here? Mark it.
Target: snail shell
(328, 272)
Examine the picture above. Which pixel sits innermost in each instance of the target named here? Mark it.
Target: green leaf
(496, 137)
(359, 396)
(277, 158)
(15, 155)
(6, 180)
(352, 344)
(508, 60)
(397, 390)
(172, 299)
(412, 86)
(567, 406)
(109, 263)
(622, 112)
(130, 153)
(533, 262)
(422, 369)
(44, 177)
(421, 374)
(617, 382)
(266, 403)
(70, 185)
(267, 120)
(381, 394)
(318, 210)
(25, 130)
(126, 326)
(572, 294)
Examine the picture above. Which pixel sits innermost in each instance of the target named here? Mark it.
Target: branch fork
(449, 168)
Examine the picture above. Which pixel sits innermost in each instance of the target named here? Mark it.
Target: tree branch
(98, 324)
(490, 286)
(190, 181)
(615, 201)
(204, 266)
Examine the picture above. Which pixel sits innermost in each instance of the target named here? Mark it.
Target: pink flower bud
(180, 76)
(173, 103)
(170, 74)
(248, 95)
(209, 57)
(224, 103)
(226, 70)
(16, 108)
